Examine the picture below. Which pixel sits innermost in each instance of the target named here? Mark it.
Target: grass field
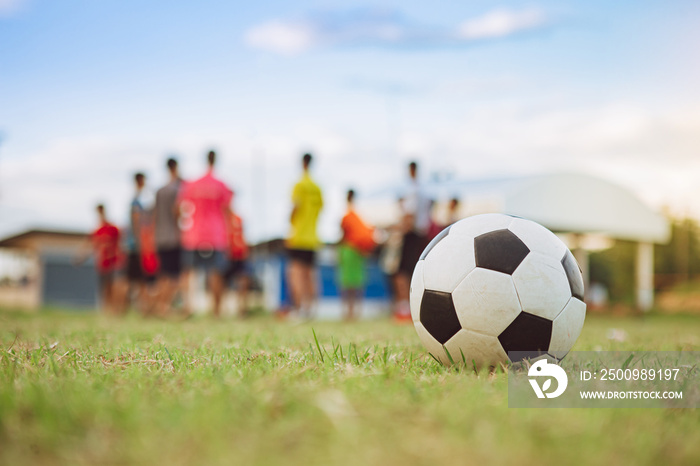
(83, 389)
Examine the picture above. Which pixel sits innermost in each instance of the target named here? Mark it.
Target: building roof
(586, 204)
(21, 240)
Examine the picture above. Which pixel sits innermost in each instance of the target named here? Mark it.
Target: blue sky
(91, 91)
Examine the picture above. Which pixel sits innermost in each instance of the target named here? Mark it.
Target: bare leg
(351, 297)
(402, 287)
(166, 290)
(243, 287)
(166, 293)
(403, 290)
(308, 293)
(294, 278)
(187, 292)
(394, 292)
(216, 283)
(345, 302)
(159, 296)
(356, 297)
(111, 297)
(104, 296)
(175, 287)
(144, 301)
(120, 290)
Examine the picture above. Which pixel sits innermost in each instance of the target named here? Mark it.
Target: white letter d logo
(542, 369)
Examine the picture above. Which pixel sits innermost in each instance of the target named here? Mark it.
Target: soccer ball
(491, 284)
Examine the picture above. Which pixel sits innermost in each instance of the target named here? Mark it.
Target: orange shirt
(357, 233)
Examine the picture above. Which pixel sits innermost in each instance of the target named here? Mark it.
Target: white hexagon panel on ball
(486, 301)
(566, 328)
(542, 285)
(448, 262)
(475, 349)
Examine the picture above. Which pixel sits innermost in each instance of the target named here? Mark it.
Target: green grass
(82, 389)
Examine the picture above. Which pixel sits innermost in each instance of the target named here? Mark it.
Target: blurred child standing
(356, 244)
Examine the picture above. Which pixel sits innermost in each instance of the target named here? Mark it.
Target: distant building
(49, 278)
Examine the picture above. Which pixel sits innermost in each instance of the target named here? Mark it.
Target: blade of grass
(627, 362)
(318, 345)
(449, 356)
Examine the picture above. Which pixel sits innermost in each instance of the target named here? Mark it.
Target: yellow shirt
(308, 201)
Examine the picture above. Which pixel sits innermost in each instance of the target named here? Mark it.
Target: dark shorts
(170, 262)
(237, 268)
(134, 272)
(304, 256)
(413, 245)
(134, 269)
(207, 260)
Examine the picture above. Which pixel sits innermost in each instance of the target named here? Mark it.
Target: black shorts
(134, 270)
(413, 245)
(305, 256)
(237, 268)
(209, 260)
(170, 262)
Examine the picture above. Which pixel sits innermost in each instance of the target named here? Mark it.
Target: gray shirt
(417, 204)
(167, 231)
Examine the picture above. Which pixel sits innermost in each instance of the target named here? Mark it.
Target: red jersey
(203, 220)
(238, 249)
(106, 242)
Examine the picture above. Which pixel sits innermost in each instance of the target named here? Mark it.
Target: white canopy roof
(565, 202)
(585, 204)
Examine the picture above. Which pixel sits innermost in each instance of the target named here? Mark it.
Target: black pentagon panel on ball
(438, 315)
(528, 334)
(500, 250)
(433, 242)
(573, 274)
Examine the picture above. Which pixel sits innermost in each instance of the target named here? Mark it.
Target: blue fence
(376, 287)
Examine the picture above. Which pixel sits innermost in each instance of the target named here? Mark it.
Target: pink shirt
(203, 206)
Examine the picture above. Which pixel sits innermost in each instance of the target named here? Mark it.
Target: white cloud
(286, 38)
(361, 27)
(501, 23)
